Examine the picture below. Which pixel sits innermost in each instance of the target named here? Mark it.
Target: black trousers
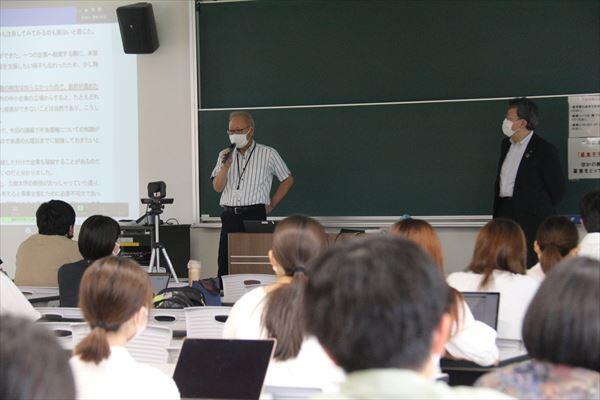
(506, 209)
(233, 223)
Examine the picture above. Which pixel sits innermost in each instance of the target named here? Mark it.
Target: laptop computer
(484, 306)
(259, 226)
(159, 280)
(222, 368)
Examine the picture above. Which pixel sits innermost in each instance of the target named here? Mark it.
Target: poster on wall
(584, 116)
(584, 158)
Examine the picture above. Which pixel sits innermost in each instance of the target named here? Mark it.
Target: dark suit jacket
(539, 185)
(69, 278)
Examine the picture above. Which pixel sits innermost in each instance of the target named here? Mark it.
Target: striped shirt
(257, 166)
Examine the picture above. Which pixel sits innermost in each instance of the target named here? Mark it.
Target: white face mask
(239, 139)
(116, 249)
(507, 127)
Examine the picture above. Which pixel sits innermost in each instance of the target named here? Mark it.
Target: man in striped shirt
(244, 180)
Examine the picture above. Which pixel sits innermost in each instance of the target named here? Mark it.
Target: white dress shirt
(311, 367)
(508, 172)
(256, 166)
(475, 341)
(121, 377)
(590, 246)
(13, 301)
(516, 292)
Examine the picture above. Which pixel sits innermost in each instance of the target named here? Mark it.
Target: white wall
(166, 129)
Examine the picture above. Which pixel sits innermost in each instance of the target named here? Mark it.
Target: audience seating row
(157, 344)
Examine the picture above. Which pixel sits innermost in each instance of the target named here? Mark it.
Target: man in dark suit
(530, 181)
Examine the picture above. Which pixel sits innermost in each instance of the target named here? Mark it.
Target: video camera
(157, 192)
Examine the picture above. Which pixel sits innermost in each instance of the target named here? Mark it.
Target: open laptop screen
(159, 281)
(222, 368)
(484, 306)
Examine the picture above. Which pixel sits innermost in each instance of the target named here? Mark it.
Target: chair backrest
(170, 318)
(205, 322)
(234, 286)
(251, 286)
(63, 332)
(150, 346)
(65, 314)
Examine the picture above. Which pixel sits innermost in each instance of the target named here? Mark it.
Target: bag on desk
(210, 289)
(179, 297)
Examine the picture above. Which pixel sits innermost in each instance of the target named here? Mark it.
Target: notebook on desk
(484, 306)
(222, 368)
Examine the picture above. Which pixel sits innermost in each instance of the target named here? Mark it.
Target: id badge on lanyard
(237, 193)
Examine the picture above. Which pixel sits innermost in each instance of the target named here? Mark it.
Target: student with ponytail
(469, 339)
(114, 296)
(276, 311)
(556, 239)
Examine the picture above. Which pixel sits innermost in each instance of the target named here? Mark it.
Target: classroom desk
(465, 373)
(39, 295)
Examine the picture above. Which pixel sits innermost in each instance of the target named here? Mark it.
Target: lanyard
(237, 162)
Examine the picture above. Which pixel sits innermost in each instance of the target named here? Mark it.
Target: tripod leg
(152, 258)
(164, 252)
(157, 260)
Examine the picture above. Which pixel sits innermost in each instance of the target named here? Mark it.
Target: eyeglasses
(237, 131)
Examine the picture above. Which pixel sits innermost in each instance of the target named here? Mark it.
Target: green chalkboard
(421, 159)
(283, 52)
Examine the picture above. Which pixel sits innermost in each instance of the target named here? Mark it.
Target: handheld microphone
(226, 156)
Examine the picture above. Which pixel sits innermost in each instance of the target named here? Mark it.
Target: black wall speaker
(138, 28)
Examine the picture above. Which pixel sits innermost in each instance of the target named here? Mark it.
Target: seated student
(498, 265)
(589, 208)
(469, 339)
(562, 337)
(114, 296)
(34, 365)
(13, 301)
(556, 239)
(97, 239)
(378, 307)
(276, 311)
(40, 255)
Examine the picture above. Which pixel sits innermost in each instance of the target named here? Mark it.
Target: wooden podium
(248, 251)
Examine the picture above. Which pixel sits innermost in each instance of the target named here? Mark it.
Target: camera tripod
(157, 247)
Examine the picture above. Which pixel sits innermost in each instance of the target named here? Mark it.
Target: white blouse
(590, 246)
(311, 367)
(475, 341)
(516, 292)
(536, 272)
(121, 377)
